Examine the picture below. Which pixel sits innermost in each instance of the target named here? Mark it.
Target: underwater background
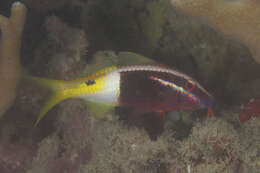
(216, 42)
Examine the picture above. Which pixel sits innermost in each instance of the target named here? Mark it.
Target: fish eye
(189, 85)
(90, 82)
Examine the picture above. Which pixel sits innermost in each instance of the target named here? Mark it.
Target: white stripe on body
(177, 88)
(160, 69)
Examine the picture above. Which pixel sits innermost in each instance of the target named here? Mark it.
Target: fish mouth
(207, 99)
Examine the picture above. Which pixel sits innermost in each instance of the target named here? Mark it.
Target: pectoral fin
(98, 110)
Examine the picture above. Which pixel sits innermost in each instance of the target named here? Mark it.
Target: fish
(144, 88)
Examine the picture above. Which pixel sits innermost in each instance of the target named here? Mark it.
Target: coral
(15, 157)
(249, 137)
(113, 25)
(238, 18)
(250, 110)
(11, 32)
(70, 141)
(74, 124)
(154, 21)
(45, 5)
(62, 51)
(117, 148)
(47, 152)
(69, 146)
(213, 146)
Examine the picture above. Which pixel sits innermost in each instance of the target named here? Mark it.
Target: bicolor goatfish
(147, 88)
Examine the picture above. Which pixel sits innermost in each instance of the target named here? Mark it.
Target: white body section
(109, 93)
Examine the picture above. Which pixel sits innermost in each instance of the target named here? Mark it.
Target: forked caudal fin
(62, 90)
(48, 83)
(51, 102)
(57, 96)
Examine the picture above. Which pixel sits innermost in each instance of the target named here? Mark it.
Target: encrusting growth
(10, 43)
(238, 18)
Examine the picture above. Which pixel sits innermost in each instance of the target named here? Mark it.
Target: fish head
(192, 95)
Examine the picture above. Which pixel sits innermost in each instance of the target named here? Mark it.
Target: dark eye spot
(90, 82)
